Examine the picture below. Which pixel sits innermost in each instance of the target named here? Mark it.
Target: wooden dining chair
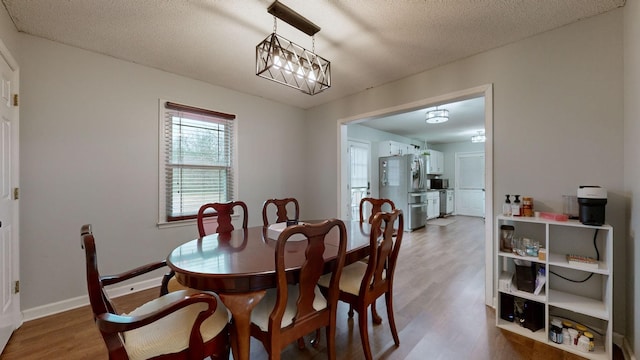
(181, 325)
(362, 283)
(223, 217)
(223, 212)
(293, 310)
(377, 205)
(282, 206)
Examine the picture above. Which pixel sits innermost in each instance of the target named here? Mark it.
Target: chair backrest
(310, 272)
(98, 297)
(224, 212)
(385, 244)
(281, 210)
(377, 205)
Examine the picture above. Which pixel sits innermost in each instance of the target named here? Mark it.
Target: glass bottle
(515, 206)
(506, 207)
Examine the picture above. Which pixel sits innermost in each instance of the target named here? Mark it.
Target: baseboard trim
(76, 302)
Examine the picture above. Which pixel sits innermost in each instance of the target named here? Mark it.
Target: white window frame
(162, 153)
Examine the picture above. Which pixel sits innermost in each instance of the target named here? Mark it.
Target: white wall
(558, 120)
(632, 166)
(89, 154)
(449, 150)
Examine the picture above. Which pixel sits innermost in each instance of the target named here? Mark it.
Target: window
(196, 160)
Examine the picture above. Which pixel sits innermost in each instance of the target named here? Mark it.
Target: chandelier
(479, 138)
(437, 116)
(287, 63)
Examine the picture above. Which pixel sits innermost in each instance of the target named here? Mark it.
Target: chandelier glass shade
(437, 116)
(287, 63)
(479, 138)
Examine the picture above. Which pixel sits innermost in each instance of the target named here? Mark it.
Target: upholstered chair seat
(171, 333)
(260, 314)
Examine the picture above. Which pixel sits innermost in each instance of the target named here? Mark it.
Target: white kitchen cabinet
(436, 162)
(449, 206)
(392, 148)
(433, 204)
(587, 302)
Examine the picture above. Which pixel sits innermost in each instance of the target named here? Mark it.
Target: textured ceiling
(369, 42)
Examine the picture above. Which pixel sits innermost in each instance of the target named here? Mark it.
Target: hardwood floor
(438, 301)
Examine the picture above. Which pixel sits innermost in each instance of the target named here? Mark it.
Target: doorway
(484, 91)
(470, 186)
(359, 184)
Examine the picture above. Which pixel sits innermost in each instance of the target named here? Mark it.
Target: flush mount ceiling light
(287, 63)
(479, 138)
(437, 116)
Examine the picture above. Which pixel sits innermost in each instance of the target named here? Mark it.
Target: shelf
(598, 353)
(538, 220)
(541, 298)
(560, 260)
(579, 304)
(561, 238)
(516, 256)
(540, 335)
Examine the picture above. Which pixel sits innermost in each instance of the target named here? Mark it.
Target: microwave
(438, 183)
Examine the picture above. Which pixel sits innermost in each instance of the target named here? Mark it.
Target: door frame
(478, 91)
(16, 314)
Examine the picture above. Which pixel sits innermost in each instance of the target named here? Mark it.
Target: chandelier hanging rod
(292, 18)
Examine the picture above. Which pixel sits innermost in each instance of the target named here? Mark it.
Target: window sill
(173, 224)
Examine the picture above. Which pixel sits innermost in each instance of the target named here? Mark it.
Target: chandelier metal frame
(283, 61)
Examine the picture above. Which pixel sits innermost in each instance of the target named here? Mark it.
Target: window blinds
(198, 159)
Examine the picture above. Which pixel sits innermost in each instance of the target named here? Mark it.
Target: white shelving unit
(588, 303)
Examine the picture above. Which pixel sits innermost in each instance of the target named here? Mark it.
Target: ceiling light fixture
(290, 64)
(437, 116)
(480, 138)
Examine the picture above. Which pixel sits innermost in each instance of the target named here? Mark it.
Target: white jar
(583, 343)
(566, 338)
(573, 336)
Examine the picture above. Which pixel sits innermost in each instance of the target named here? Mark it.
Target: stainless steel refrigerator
(403, 180)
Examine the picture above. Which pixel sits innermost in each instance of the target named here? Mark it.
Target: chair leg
(331, 339)
(364, 333)
(315, 342)
(374, 314)
(301, 344)
(388, 297)
(350, 311)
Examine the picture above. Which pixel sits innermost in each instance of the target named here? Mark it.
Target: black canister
(592, 201)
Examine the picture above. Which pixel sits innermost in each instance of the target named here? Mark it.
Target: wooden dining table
(240, 266)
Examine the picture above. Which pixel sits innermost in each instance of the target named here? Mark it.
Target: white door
(358, 180)
(470, 184)
(10, 317)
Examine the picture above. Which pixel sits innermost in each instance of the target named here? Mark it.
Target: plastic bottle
(592, 344)
(506, 207)
(583, 343)
(566, 337)
(515, 206)
(555, 333)
(527, 206)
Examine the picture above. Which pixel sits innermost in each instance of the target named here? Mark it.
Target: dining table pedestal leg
(240, 306)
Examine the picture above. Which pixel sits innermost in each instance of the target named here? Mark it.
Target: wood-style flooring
(438, 301)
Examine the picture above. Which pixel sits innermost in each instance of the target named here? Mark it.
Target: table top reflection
(244, 260)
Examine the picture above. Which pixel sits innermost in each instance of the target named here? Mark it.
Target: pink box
(554, 216)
